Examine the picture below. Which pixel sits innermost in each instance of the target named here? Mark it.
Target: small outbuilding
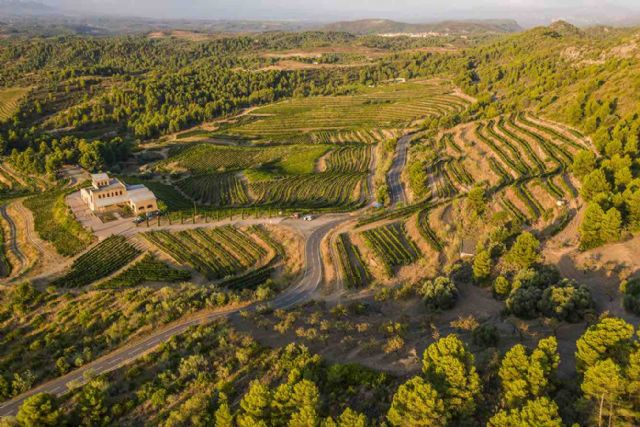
(468, 248)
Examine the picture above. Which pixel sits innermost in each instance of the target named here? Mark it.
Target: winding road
(301, 292)
(13, 237)
(396, 187)
(304, 290)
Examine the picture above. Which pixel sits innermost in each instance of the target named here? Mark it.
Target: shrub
(523, 302)
(540, 278)
(485, 336)
(566, 301)
(501, 287)
(631, 295)
(440, 294)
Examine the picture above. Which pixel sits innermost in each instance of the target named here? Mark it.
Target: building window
(149, 206)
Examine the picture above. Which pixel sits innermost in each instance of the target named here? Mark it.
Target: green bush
(566, 301)
(485, 336)
(440, 294)
(501, 287)
(523, 302)
(631, 295)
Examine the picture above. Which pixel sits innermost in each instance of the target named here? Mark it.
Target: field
(215, 189)
(55, 223)
(106, 257)
(148, 269)
(326, 119)
(209, 158)
(352, 266)
(216, 253)
(392, 245)
(346, 190)
(353, 158)
(9, 100)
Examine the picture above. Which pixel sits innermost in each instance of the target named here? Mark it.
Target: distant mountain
(386, 26)
(23, 8)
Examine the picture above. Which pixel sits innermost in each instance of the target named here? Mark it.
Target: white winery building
(108, 193)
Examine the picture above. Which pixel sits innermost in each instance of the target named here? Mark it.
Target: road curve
(301, 292)
(396, 188)
(13, 238)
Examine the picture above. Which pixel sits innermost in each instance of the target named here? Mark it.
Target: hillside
(15, 8)
(384, 26)
(346, 228)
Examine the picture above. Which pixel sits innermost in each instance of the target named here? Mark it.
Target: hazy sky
(410, 10)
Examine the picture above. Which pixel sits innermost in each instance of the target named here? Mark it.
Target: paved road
(13, 237)
(396, 188)
(301, 292)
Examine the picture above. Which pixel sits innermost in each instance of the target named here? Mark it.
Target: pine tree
(633, 209)
(594, 184)
(591, 226)
(526, 377)
(584, 162)
(39, 410)
(351, 418)
(482, 265)
(223, 416)
(541, 412)
(604, 385)
(525, 251)
(611, 226)
(476, 200)
(305, 398)
(610, 338)
(254, 406)
(416, 403)
(449, 366)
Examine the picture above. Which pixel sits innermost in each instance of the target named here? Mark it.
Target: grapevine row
(106, 257)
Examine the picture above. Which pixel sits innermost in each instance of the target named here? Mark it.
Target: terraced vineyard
(520, 150)
(106, 257)
(356, 158)
(392, 245)
(9, 100)
(148, 269)
(215, 190)
(331, 119)
(354, 270)
(362, 136)
(427, 232)
(346, 190)
(214, 252)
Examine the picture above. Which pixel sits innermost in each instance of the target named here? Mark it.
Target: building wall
(144, 206)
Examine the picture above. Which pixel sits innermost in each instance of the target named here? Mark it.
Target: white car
(308, 218)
